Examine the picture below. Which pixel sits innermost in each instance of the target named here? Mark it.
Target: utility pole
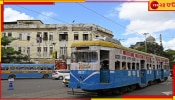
(145, 41)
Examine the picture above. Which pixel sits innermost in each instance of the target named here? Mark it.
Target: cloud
(142, 20)
(13, 15)
(132, 41)
(169, 44)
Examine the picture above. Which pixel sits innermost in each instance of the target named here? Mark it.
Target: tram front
(85, 67)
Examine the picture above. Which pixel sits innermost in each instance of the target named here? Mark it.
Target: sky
(127, 20)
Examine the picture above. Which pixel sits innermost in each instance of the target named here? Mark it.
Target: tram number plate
(81, 72)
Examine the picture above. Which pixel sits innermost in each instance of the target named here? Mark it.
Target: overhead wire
(104, 16)
(95, 12)
(43, 14)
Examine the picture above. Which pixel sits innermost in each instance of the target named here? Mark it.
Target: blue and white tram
(99, 65)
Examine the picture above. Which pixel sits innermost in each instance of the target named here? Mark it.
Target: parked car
(60, 74)
(66, 80)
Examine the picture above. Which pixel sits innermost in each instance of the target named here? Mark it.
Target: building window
(3, 34)
(51, 36)
(85, 37)
(19, 49)
(63, 37)
(51, 51)
(44, 51)
(28, 51)
(75, 36)
(38, 49)
(28, 36)
(45, 37)
(24, 49)
(63, 50)
(9, 34)
(39, 37)
(20, 36)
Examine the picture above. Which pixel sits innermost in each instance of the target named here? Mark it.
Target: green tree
(153, 48)
(9, 55)
(171, 55)
(156, 49)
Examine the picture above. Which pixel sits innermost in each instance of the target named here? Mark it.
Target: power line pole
(145, 41)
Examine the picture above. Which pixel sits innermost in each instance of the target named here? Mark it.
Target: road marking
(167, 93)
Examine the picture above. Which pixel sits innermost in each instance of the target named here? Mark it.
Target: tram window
(137, 65)
(142, 66)
(129, 66)
(147, 66)
(117, 65)
(133, 59)
(84, 57)
(153, 66)
(150, 66)
(123, 65)
(124, 57)
(92, 57)
(105, 64)
(117, 56)
(133, 66)
(129, 58)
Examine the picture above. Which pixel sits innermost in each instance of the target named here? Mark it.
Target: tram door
(143, 71)
(104, 69)
(162, 71)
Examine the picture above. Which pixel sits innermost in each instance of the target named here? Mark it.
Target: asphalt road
(49, 88)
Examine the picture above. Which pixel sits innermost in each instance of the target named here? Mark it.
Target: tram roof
(108, 44)
(105, 44)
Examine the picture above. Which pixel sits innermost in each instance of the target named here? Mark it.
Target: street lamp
(145, 41)
(54, 54)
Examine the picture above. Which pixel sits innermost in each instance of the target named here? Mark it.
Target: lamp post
(145, 41)
(54, 51)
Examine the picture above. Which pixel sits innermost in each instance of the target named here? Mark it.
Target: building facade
(39, 40)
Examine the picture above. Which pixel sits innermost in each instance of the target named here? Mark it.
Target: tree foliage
(153, 48)
(9, 54)
(156, 49)
(171, 55)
